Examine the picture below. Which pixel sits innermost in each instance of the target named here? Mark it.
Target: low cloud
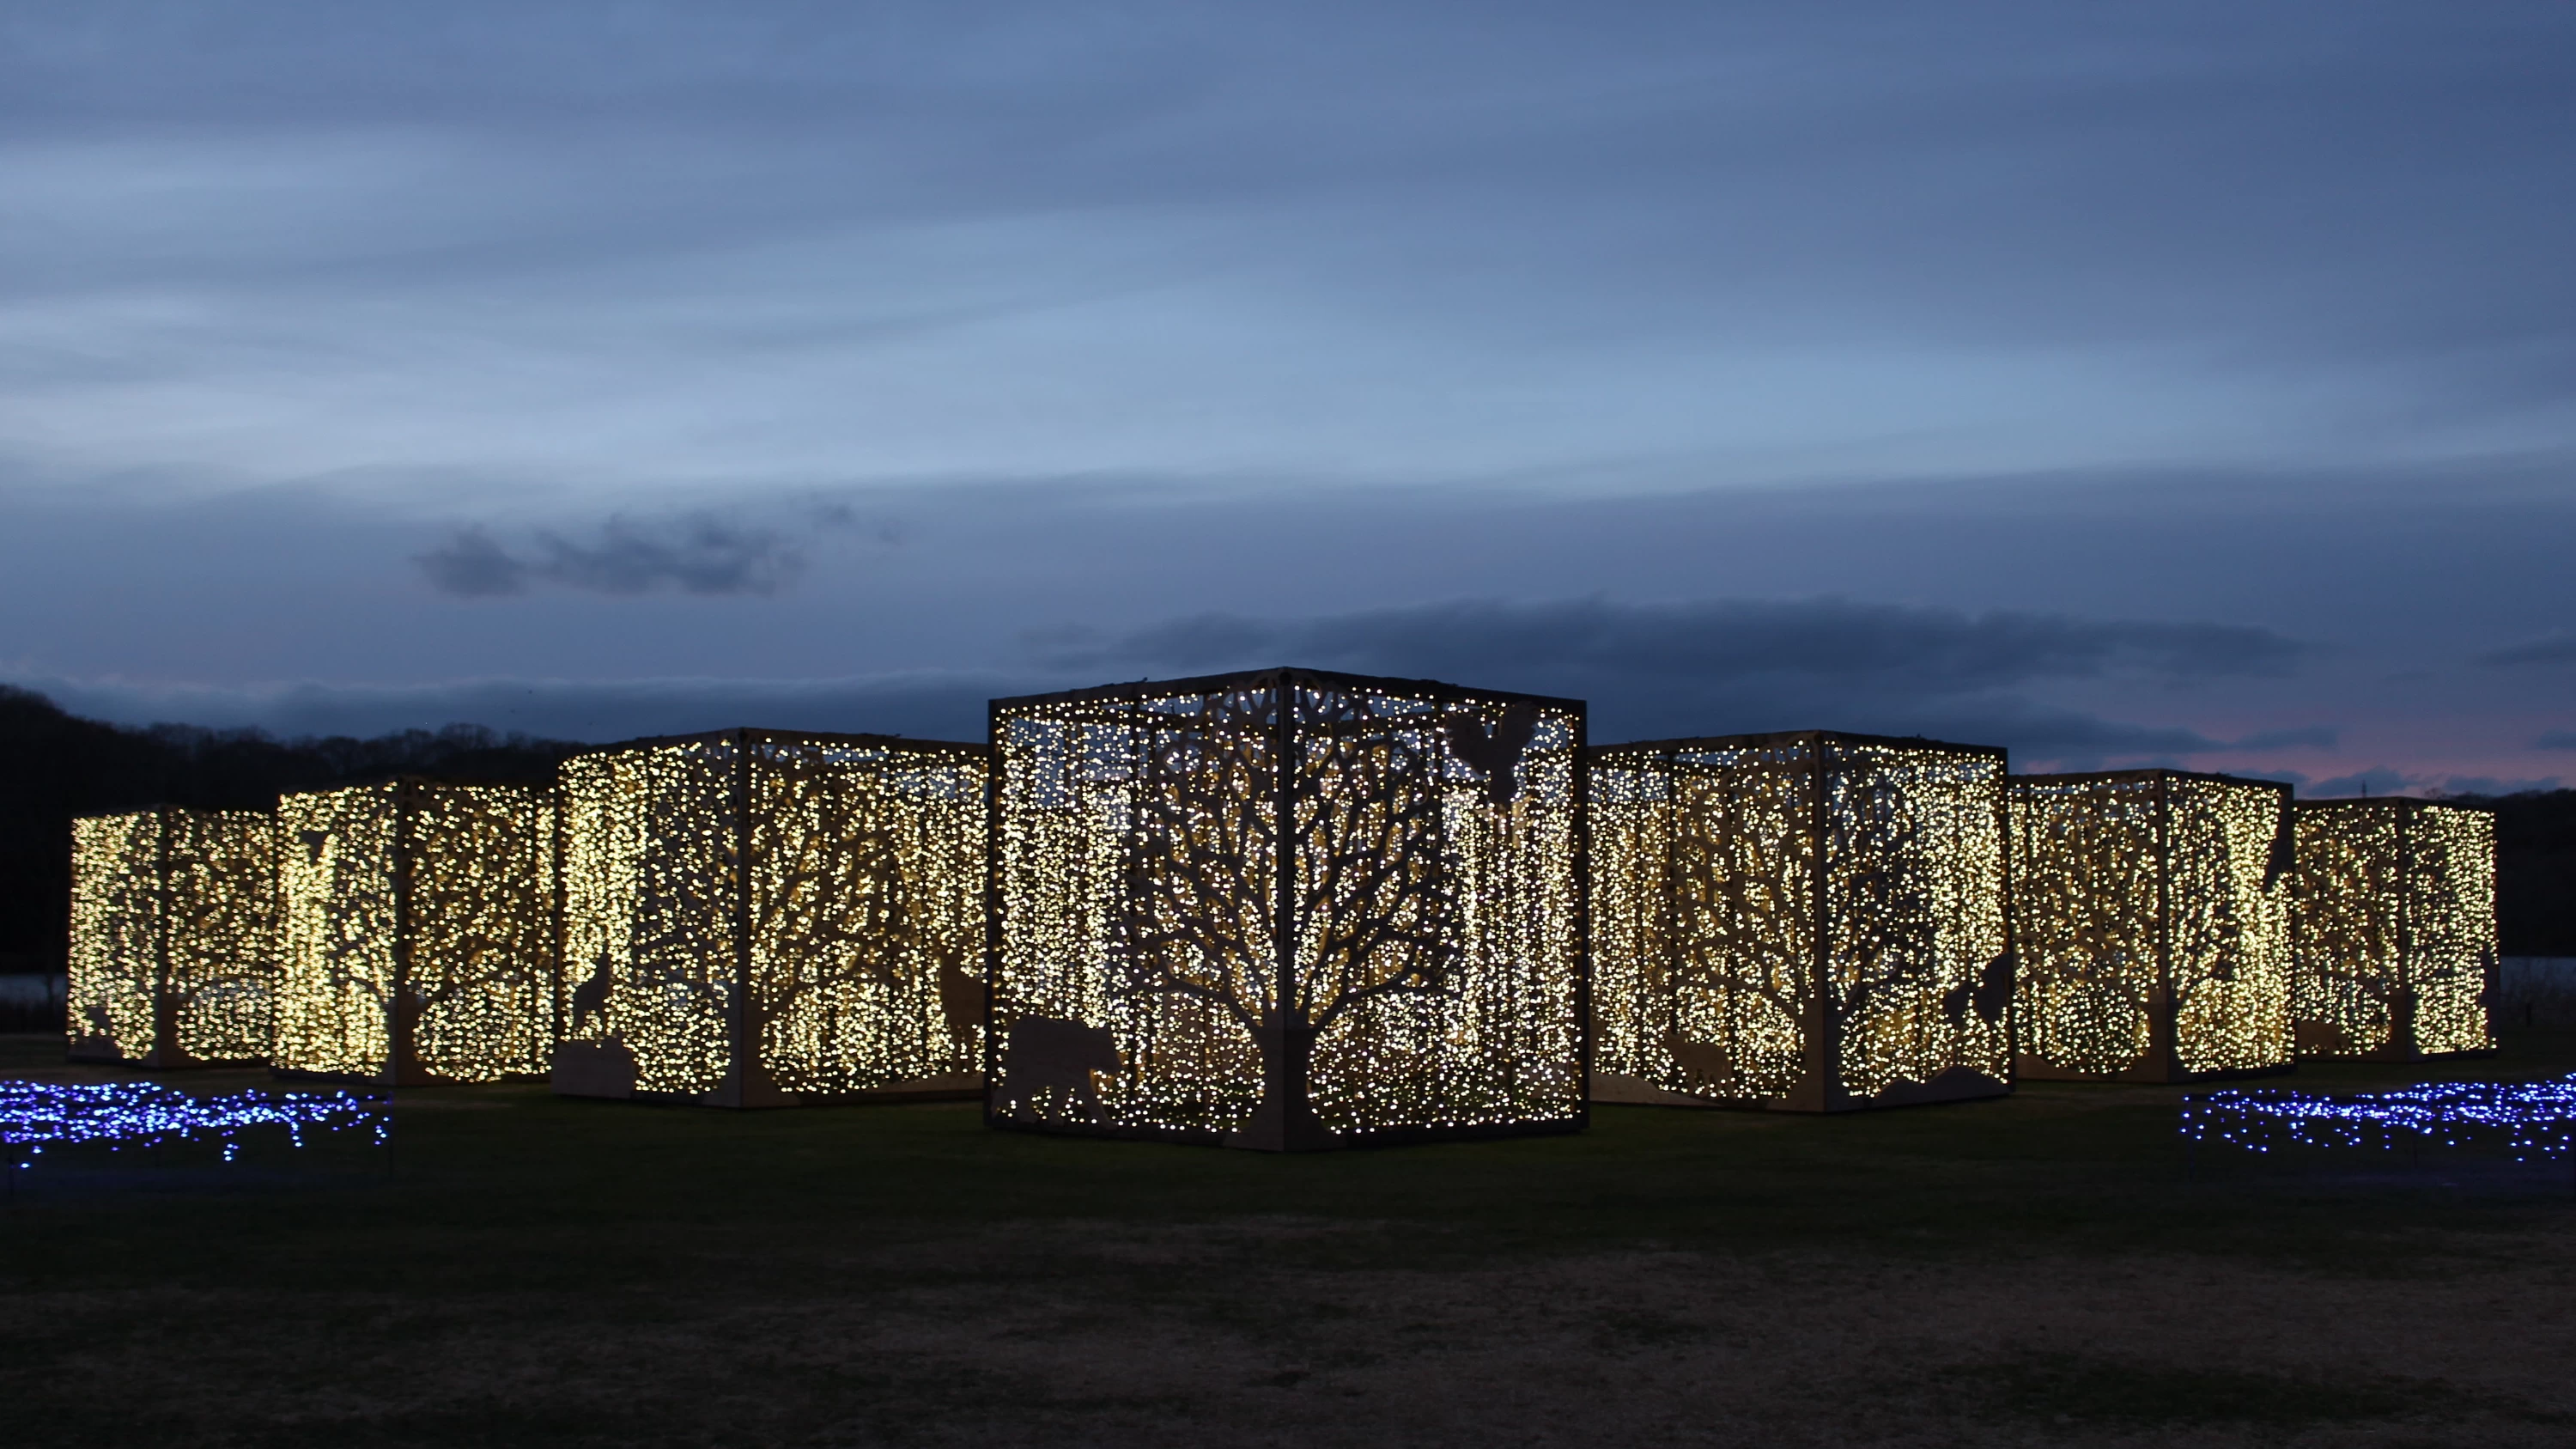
(2307, 737)
(700, 553)
(2556, 740)
(1945, 650)
(1728, 666)
(2382, 780)
(924, 705)
(2548, 649)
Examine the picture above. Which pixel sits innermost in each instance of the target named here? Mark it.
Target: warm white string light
(419, 932)
(2151, 925)
(1288, 909)
(1806, 921)
(2395, 928)
(844, 962)
(173, 957)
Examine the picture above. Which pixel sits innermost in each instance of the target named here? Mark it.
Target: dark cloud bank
(1648, 669)
(696, 554)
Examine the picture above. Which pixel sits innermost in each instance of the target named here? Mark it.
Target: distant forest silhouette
(55, 765)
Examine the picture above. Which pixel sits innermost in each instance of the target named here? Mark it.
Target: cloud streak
(698, 553)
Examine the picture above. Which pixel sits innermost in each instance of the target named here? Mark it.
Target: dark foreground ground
(2038, 1271)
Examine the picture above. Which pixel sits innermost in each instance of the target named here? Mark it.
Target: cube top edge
(2405, 803)
(1285, 675)
(1777, 738)
(414, 782)
(2143, 776)
(199, 811)
(747, 734)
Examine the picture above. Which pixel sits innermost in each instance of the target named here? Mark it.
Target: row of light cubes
(1290, 909)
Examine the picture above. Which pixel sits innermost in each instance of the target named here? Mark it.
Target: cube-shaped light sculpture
(1288, 910)
(1808, 922)
(2394, 928)
(2151, 925)
(174, 937)
(763, 918)
(419, 932)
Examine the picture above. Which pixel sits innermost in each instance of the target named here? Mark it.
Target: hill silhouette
(55, 765)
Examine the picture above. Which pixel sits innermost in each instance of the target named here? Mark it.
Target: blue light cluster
(2527, 1119)
(37, 1115)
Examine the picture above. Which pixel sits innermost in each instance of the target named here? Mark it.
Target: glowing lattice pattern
(1288, 910)
(1809, 921)
(2395, 928)
(845, 962)
(2151, 925)
(174, 957)
(419, 932)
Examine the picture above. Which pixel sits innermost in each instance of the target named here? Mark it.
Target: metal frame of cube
(2394, 928)
(418, 933)
(842, 965)
(173, 938)
(1810, 921)
(1288, 910)
(2151, 925)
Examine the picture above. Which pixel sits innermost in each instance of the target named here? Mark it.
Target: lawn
(2048, 1269)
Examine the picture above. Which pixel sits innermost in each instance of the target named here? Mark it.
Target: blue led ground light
(2526, 1119)
(38, 1115)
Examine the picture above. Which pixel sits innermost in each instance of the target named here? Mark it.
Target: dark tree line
(54, 766)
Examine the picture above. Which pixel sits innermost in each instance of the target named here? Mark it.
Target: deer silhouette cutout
(1495, 755)
(961, 1001)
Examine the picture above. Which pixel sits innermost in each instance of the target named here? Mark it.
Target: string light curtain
(1288, 910)
(759, 918)
(1806, 922)
(2151, 925)
(419, 932)
(2395, 928)
(173, 938)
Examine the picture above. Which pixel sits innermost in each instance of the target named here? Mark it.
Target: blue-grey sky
(2186, 383)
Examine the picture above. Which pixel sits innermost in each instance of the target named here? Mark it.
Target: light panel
(1288, 910)
(2395, 928)
(842, 963)
(1807, 922)
(419, 932)
(2151, 925)
(174, 958)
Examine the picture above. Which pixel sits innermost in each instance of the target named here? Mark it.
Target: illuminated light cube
(2151, 925)
(174, 938)
(1288, 910)
(419, 933)
(1808, 922)
(2394, 928)
(843, 965)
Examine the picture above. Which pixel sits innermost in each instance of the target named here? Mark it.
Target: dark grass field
(2049, 1269)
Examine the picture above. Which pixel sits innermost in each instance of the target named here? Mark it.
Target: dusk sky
(2186, 383)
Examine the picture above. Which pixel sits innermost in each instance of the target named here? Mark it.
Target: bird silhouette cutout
(1495, 755)
(1989, 995)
